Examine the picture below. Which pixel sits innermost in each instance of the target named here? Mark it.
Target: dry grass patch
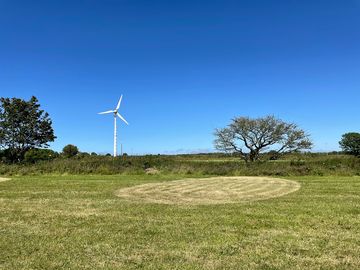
(216, 190)
(4, 179)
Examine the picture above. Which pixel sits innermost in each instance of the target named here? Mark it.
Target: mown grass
(76, 222)
(213, 190)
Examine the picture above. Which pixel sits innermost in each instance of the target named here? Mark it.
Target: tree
(350, 143)
(70, 151)
(257, 135)
(23, 126)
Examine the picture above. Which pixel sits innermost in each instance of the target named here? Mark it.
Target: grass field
(77, 222)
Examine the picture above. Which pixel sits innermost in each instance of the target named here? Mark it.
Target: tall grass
(296, 165)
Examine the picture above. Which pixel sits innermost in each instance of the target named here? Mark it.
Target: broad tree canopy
(250, 137)
(23, 126)
(70, 150)
(350, 143)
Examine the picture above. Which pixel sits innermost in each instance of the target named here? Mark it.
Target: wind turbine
(116, 114)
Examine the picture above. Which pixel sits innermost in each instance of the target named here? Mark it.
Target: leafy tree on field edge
(23, 126)
(350, 143)
(250, 137)
(70, 150)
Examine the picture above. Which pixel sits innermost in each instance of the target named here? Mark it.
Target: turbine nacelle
(116, 112)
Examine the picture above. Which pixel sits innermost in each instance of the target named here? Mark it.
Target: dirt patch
(4, 179)
(217, 190)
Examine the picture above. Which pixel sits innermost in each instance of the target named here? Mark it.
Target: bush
(70, 151)
(3, 156)
(83, 154)
(34, 155)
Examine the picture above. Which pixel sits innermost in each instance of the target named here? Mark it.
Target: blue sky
(184, 67)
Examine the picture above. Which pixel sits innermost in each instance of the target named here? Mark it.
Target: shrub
(34, 155)
(4, 156)
(83, 154)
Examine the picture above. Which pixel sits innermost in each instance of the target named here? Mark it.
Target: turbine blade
(107, 112)
(122, 118)
(118, 106)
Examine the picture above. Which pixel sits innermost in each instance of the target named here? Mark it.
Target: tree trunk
(254, 155)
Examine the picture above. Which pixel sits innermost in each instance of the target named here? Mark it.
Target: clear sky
(184, 67)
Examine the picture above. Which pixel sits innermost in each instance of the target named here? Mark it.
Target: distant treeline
(297, 164)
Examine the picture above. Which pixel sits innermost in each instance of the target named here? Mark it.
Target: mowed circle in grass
(216, 190)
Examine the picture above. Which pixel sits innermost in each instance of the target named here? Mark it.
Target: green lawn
(76, 222)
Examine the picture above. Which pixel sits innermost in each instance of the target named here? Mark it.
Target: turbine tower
(116, 114)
